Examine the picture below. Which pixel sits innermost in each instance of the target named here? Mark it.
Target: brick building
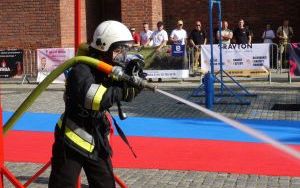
(31, 24)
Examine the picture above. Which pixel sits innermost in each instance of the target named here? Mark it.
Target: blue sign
(178, 50)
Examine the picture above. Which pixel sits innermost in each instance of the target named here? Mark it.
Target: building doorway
(98, 11)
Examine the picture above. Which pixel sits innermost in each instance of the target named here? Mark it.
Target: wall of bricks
(157, 12)
(136, 12)
(32, 24)
(29, 23)
(256, 14)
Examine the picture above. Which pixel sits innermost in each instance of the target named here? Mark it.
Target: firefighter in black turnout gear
(81, 134)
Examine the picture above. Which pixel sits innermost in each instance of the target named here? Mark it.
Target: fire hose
(113, 71)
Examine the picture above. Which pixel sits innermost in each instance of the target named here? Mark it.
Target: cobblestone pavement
(155, 105)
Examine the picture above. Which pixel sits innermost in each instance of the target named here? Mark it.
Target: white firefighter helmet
(109, 32)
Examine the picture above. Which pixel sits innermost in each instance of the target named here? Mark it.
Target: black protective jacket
(89, 94)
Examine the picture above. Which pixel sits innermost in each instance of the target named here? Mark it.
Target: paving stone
(260, 108)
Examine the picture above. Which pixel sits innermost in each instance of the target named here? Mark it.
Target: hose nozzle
(118, 74)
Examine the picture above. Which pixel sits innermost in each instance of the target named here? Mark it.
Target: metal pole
(77, 42)
(211, 37)
(37, 174)
(209, 77)
(1, 147)
(77, 23)
(220, 44)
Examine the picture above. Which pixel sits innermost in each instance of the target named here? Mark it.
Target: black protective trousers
(67, 164)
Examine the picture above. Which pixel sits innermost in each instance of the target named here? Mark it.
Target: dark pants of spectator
(283, 55)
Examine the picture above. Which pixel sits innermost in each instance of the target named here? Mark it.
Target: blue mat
(284, 131)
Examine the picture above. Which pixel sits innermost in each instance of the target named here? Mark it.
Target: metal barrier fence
(278, 60)
(29, 64)
(283, 59)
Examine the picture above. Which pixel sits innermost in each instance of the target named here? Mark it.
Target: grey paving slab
(150, 104)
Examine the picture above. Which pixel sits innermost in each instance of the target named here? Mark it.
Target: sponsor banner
(163, 63)
(294, 59)
(11, 63)
(50, 58)
(238, 59)
(178, 50)
(167, 73)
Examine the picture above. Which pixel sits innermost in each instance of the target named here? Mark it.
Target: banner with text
(11, 63)
(50, 58)
(169, 62)
(238, 59)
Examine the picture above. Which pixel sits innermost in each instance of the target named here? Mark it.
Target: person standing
(136, 37)
(178, 35)
(197, 38)
(145, 34)
(268, 35)
(284, 33)
(159, 37)
(81, 134)
(226, 33)
(241, 34)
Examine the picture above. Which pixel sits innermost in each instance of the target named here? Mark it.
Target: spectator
(242, 35)
(285, 34)
(136, 37)
(145, 34)
(197, 38)
(226, 33)
(178, 35)
(268, 35)
(159, 37)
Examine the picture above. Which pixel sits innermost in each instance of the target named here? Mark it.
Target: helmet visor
(119, 53)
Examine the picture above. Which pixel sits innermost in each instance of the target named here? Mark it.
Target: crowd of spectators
(198, 36)
(239, 35)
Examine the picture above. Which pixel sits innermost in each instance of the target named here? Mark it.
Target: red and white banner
(50, 58)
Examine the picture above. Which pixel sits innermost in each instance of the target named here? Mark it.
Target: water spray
(242, 127)
(117, 73)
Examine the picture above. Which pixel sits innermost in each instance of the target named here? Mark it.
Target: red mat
(163, 153)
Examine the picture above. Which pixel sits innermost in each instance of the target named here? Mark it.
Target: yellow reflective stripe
(79, 141)
(98, 97)
(90, 96)
(76, 139)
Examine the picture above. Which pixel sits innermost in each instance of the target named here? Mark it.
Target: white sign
(167, 73)
(50, 58)
(238, 59)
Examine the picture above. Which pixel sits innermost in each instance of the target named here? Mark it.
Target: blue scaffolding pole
(210, 77)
